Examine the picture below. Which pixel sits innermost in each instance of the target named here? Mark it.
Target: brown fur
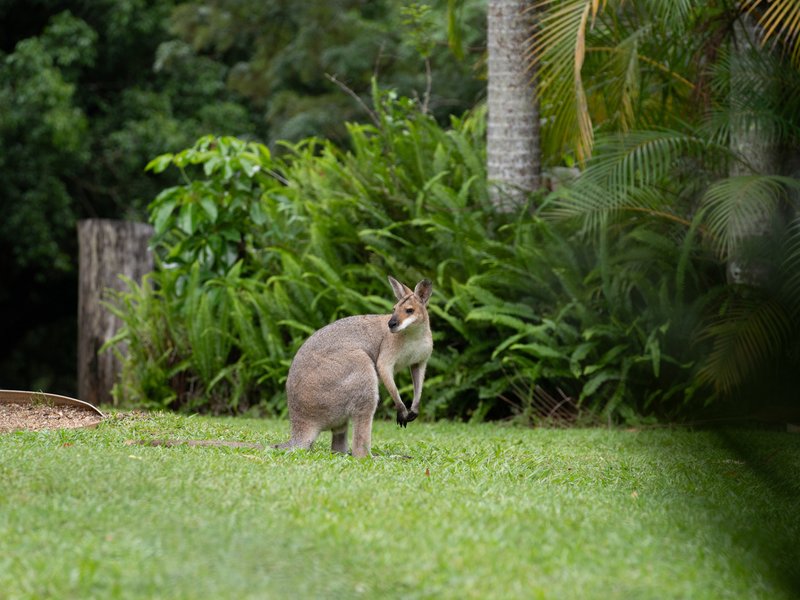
(334, 376)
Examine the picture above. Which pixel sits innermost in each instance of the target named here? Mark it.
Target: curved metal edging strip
(20, 397)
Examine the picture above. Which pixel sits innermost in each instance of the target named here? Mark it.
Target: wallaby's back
(361, 332)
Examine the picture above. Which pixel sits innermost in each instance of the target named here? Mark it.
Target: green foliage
(421, 26)
(82, 113)
(89, 95)
(694, 150)
(46, 129)
(258, 250)
(614, 66)
(285, 245)
(680, 181)
(214, 221)
(755, 328)
(43, 133)
(281, 55)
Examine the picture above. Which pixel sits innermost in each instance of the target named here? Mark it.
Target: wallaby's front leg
(418, 377)
(386, 373)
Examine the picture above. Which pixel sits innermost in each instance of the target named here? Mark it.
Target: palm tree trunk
(513, 155)
(756, 151)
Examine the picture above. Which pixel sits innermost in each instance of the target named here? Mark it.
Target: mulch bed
(36, 416)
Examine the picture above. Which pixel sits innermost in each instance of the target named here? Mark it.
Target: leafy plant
(211, 222)
(688, 141)
(597, 314)
(261, 250)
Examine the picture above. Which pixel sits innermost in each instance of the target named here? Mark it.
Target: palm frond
(557, 52)
(790, 269)
(629, 172)
(780, 20)
(609, 63)
(754, 92)
(674, 14)
(750, 335)
(739, 207)
(629, 80)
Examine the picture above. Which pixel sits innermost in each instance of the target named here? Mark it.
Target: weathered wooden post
(106, 250)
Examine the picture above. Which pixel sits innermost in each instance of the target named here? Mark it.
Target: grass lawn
(476, 512)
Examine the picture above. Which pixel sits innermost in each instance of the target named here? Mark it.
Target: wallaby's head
(411, 308)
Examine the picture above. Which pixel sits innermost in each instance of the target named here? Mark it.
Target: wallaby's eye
(409, 311)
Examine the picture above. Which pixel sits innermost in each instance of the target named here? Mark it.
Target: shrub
(257, 250)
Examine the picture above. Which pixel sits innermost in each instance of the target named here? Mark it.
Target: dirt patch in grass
(33, 417)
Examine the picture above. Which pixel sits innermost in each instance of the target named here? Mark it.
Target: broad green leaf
(210, 207)
(187, 218)
(257, 213)
(581, 352)
(159, 163)
(212, 165)
(163, 213)
(249, 166)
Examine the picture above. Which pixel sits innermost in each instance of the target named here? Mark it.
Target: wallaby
(334, 375)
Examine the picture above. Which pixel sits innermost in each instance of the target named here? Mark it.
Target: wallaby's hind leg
(362, 420)
(364, 396)
(362, 435)
(339, 439)
(303, 436)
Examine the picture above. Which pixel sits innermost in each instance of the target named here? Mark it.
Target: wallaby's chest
(410, 351)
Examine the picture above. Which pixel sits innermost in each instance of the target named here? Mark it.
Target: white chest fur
(414, 350)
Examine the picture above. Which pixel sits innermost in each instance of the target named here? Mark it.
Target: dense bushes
(530, 317)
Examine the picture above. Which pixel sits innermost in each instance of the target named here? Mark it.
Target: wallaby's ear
(423, 290)
(400, 290)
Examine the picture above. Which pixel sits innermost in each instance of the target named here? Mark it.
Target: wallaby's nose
(392, 323)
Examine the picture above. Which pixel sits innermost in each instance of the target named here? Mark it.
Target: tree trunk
(512, 151)
(106, 250)
(756, 149)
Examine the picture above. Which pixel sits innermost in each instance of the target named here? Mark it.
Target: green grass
(476, 512)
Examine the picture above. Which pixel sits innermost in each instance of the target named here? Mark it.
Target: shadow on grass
(774, 462)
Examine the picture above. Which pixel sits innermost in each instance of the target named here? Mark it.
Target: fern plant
(258, 251)
(591, 313)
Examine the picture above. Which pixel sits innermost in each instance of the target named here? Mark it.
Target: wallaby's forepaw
(402, 419)
(405, 419)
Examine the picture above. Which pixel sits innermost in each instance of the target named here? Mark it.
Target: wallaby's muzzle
(392, 324)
